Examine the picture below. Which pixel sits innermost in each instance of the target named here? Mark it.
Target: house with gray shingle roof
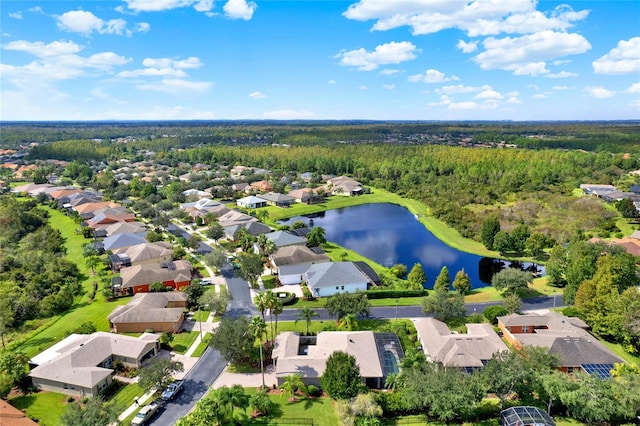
(253, 228)
(292, 262)
(283, 239)
(468, 351)
(277, 199)
(80, 365)
(124, 240)
(159, 312)
(327, 279)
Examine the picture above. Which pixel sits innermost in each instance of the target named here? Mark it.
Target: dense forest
(35, 279)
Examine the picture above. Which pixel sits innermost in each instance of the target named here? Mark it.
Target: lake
(389, 234)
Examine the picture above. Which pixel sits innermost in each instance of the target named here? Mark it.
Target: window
(525, 329)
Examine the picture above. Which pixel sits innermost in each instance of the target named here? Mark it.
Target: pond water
(389, 234)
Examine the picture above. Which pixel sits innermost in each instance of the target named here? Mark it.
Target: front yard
(44, 407)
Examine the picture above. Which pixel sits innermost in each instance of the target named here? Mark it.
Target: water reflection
(388, 234)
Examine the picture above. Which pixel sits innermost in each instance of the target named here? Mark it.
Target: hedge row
(394, 294)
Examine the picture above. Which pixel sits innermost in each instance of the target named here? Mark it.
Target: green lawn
(202, 346)
(126, 394)
(183, 341)
(617, 349)
(46, 407)
(269, 281)
(95, 312)
(319, 409)
(201, 316)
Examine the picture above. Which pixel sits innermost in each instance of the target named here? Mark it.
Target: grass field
(182, 341)
(47, 407)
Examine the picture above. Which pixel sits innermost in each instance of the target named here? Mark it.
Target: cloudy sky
(310, 59)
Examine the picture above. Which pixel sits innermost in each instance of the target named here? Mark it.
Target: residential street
(211, 363)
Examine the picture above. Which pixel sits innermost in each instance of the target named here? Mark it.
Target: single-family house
(251, 202)
(122, 228)
(305, 196)
(240, 186)
(196, 193)
(377, 354)
(346, 186)
(160, 312)
(468, 351)
(137, 279)
(327, 279)
(565, 337)
(277, 199)
(31, 189)
(283, 239)
(108, 217)
(234, 217)
(262, 186)
(253, 228)
(124, 240)
(596, 189)
(292, 262)
(147, 253)
(80, 365)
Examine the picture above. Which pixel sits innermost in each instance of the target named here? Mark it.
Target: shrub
(491, 313)
(475, 318)
(306, 293)
(571, 311)
(287, 299)
(394, 294)
(313, 390)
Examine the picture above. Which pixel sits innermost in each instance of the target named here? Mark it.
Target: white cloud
(622, 59)
(525, 55)
(203, 5)
(459, 88)
(560, 88)
(463, 105)
(257, 95)
(488, 94)
(239, 9)
(362, 87)
(599, 92)
(85, 23)
(384, 54)
(513, 100)
(15, 15)
(432, 76)
(562, 74)
(331, 82)
(634, 88)
(389, 71)
(476, 17)
(153, 72)
(539, 96)
(469, 47)
(389, 86)
(176, 86)
(156, 5)
(54, 61)
(41, 50)
(288, 114)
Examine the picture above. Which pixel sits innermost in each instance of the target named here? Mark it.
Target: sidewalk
(136, 405)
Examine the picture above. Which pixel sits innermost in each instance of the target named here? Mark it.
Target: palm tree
(307, 314)
(260, 300)
(293, 383)
(270, 248)
(277, 310)
(230, 398)
(262, 242)
(258, 328)
(271, 301)
(349, 321)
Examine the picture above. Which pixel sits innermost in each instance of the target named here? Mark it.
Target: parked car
(206, 281)
(172, 390)
(146, 413)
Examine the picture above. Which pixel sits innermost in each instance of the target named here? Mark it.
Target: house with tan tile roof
(469, 351)
(159, 312)
(377, 354)
(80, 365)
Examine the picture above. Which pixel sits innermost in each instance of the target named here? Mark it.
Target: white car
(206, 281)
(145, 413)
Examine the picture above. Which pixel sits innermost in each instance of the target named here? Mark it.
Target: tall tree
(251, 267)
(510, 280)
(342, 304)
(416, 275)
(490, 227)
(461, 282)
(94, 412)
(444, 305)
(230, 339)
(307, 315)
(443, 281)
(341, 378)
(316, 237)
(215, 231)
(258, 328)
(158, 373)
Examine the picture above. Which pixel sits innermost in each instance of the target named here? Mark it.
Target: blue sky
(306, 59)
